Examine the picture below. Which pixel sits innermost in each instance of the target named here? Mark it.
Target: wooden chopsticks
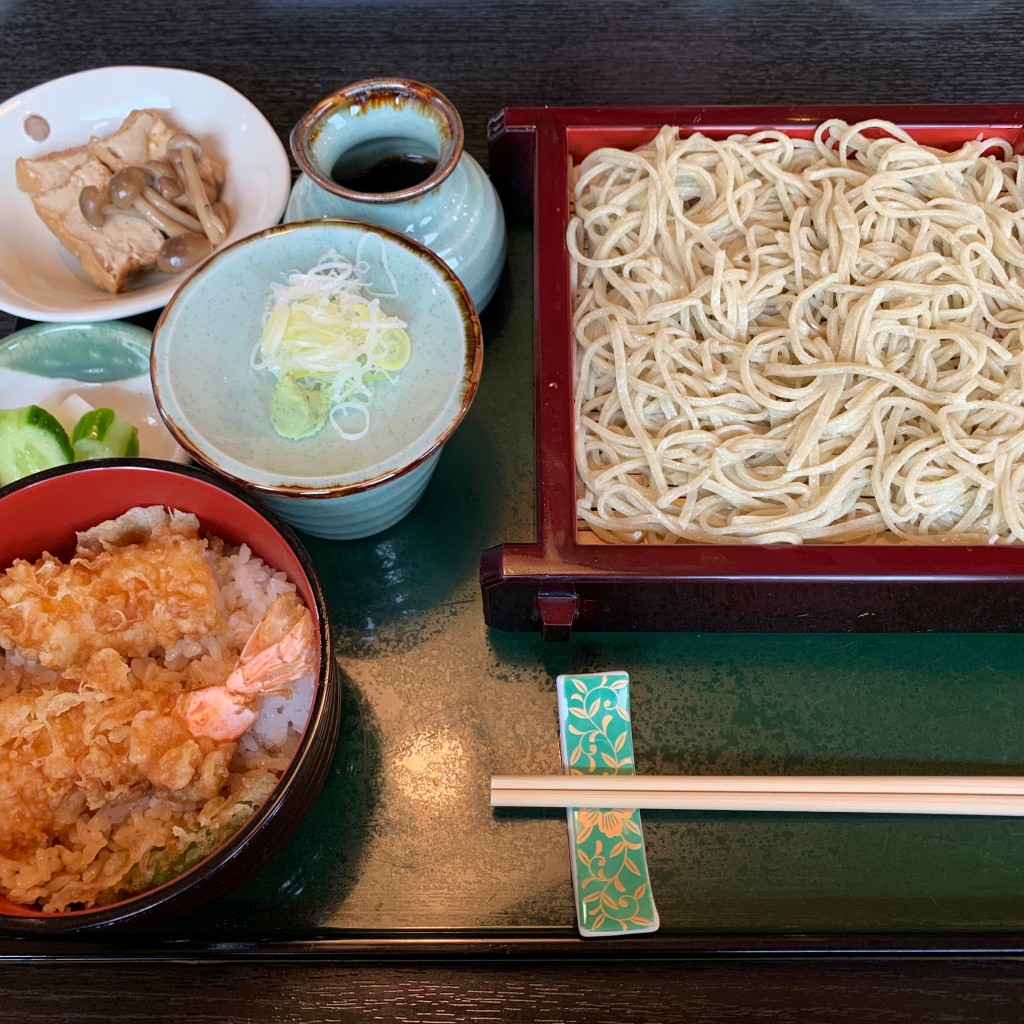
(843, 794)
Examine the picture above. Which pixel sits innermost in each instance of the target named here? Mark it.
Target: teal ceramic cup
(390, 152)
(217, 405)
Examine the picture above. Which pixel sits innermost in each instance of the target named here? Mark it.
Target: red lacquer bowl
(42, 514)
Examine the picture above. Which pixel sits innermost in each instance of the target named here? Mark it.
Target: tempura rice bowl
(280, 762)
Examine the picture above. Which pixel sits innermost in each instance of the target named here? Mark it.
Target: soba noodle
(782, 340)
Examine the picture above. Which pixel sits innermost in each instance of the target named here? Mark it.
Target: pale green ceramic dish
(217, 406)
(104, 363)
(607, 854)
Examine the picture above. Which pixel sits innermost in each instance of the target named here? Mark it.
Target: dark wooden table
(486, 54)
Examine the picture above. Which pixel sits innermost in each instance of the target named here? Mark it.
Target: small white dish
(105, 364)
(38, 278)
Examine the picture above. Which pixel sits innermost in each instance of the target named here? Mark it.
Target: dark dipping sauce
(392, 174)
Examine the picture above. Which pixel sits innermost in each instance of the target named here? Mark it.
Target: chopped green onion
(323, 334)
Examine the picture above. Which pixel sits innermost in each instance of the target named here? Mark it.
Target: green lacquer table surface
(403, 838)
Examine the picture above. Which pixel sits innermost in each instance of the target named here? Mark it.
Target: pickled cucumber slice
(31, 440)
(102, 434)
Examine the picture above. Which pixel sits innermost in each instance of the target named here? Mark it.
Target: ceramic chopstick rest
(610, 880)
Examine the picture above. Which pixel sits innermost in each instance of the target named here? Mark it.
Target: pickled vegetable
(31, 440)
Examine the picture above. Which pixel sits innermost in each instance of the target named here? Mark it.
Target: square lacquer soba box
(575, 575)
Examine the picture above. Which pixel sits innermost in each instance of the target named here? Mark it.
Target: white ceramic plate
(39, 279)
(103, 364)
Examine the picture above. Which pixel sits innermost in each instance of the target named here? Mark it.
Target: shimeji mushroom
(186, 149)
(179, 252)
(182, 252)
(125, 190)
(168, 193)
(164, 178)
(94, 206)
(164, 203)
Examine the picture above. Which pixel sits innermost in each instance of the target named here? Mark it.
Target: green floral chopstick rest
(607, 856)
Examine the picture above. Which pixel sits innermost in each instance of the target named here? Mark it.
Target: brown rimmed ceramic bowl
(218, 407)
(43, 514)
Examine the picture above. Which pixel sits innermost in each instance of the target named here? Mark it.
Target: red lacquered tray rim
(556, 554)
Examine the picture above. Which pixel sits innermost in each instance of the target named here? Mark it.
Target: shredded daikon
(326, 339)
